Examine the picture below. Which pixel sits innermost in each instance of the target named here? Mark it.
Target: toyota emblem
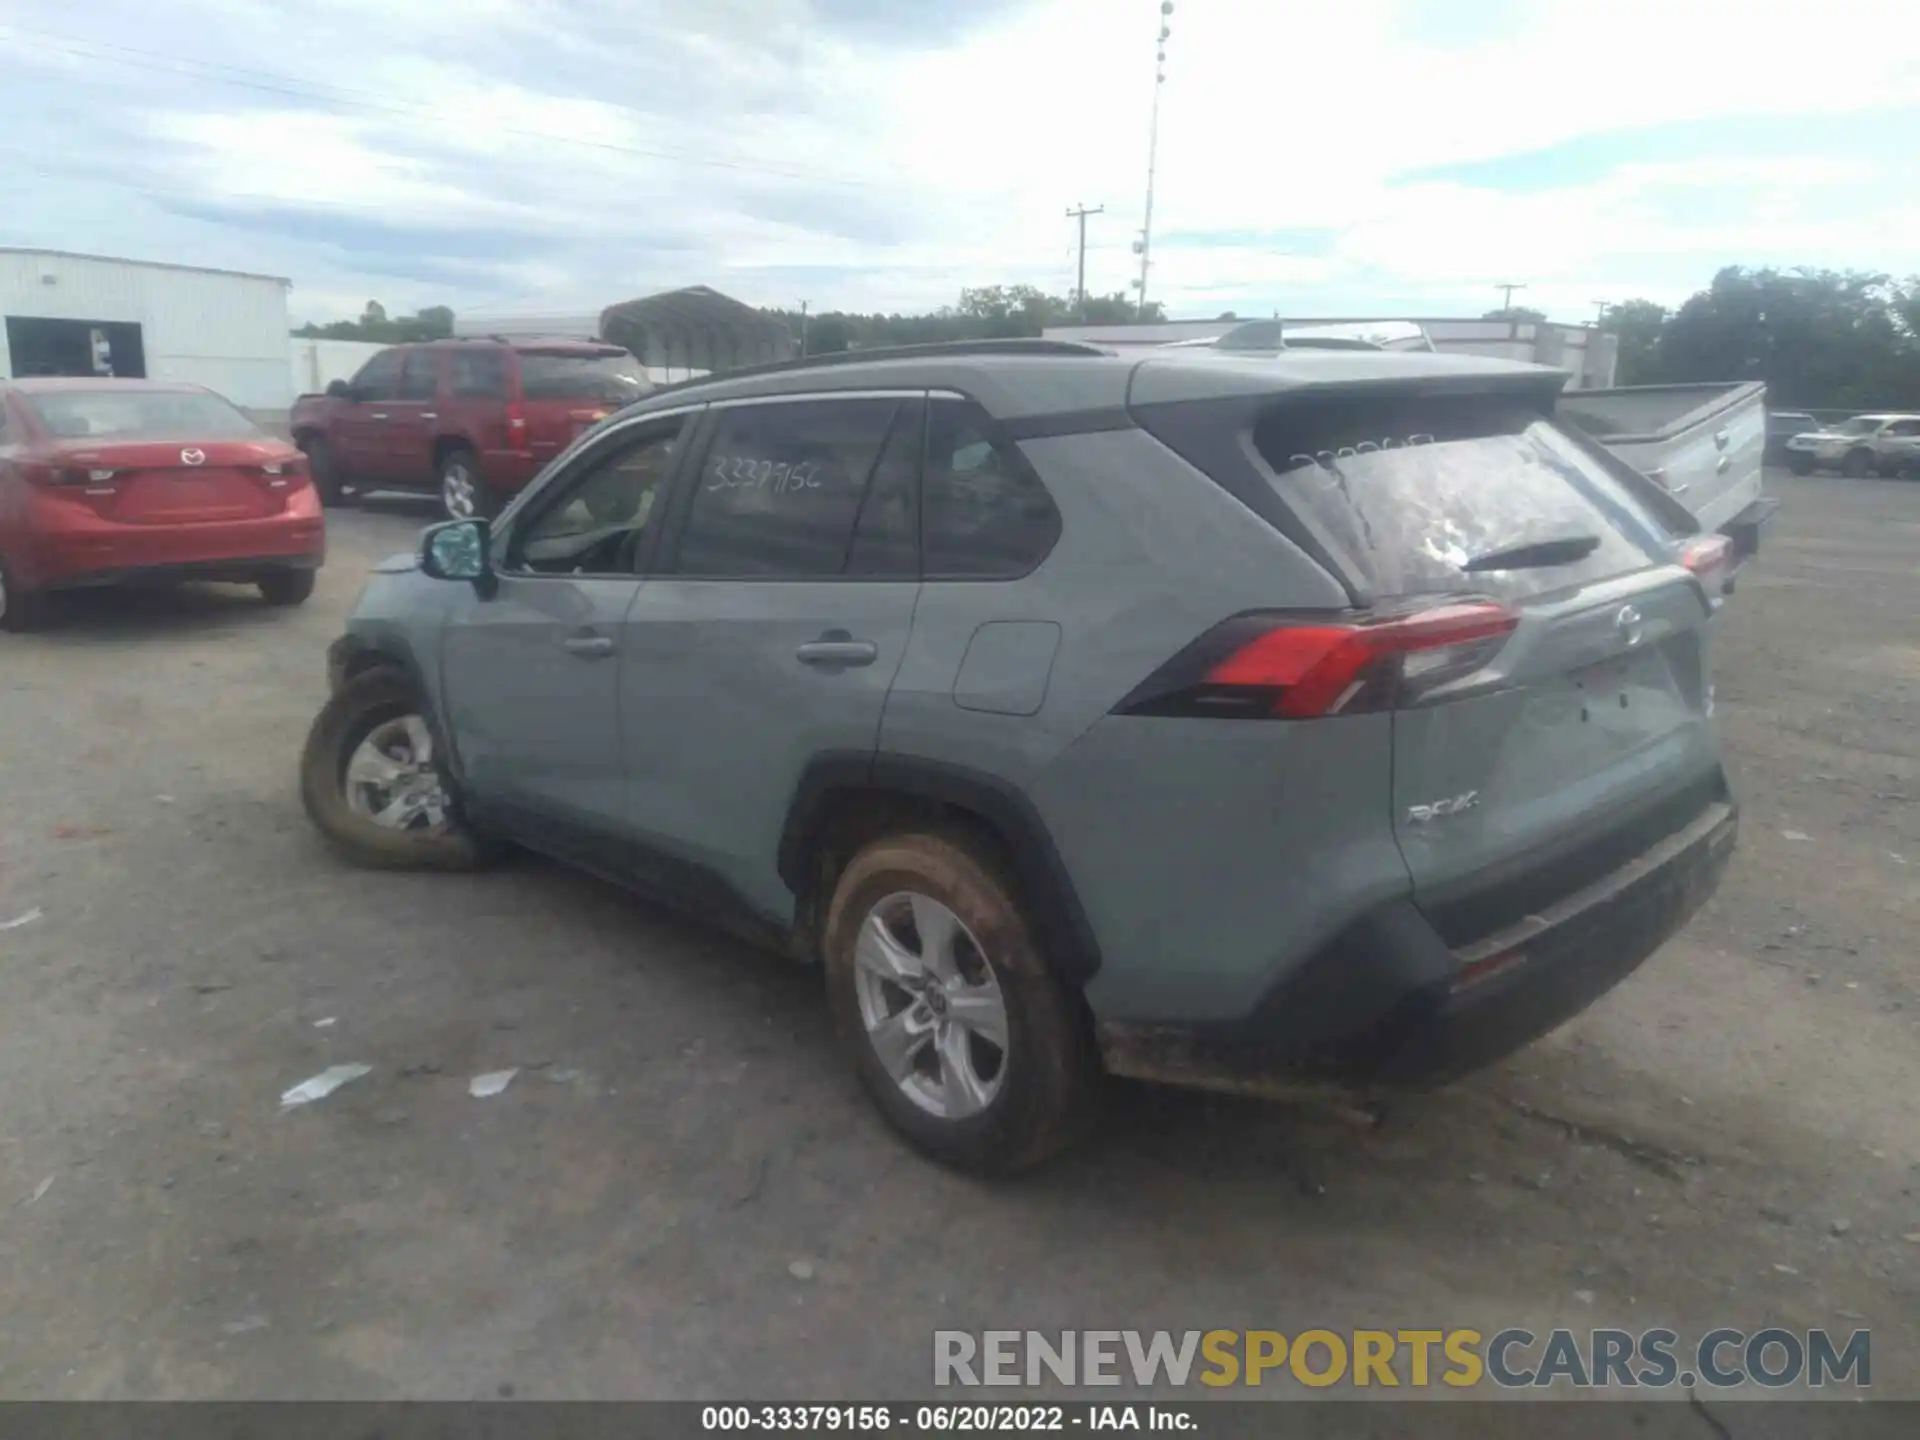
(1628, 623)
(191, 456)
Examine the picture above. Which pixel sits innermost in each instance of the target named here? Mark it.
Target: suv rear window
(1407, 491)
(612, 379)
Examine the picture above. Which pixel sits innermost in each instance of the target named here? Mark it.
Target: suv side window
(1903, 427)
(595, 522)
(379, 378)
(780, 492)
(479, 374)
(984, 513)
(421, 379)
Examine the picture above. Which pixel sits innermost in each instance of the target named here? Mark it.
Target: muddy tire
(944, 905)
(381, 699)
(286, 587)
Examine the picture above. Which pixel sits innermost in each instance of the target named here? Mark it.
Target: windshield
(1410, 491)
(612, 379)
(140, 415)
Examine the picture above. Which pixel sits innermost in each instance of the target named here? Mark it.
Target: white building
(71, 314)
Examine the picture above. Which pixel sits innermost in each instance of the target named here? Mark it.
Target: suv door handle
(588, 647)
(836, 647)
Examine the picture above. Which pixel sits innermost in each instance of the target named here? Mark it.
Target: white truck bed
(1702, 444)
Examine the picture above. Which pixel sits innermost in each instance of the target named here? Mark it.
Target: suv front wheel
(374, 781)
(961, 1033)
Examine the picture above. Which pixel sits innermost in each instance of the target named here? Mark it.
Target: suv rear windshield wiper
(1535, 554)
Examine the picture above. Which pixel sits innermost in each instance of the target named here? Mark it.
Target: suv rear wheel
(463, 492)
(325, 470)
(961, 1033)
(372, 778)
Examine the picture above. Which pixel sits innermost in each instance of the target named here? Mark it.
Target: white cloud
(561, 135)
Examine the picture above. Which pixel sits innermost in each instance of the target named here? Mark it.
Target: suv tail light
(287, 474)
(1265, 666)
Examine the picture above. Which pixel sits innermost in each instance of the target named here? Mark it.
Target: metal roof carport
(696, 329)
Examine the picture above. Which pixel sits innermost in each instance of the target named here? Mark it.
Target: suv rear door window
(421, 380)
(1408, 492)
(479, 374)
(985, 514)
(608, 379)
(781, 488)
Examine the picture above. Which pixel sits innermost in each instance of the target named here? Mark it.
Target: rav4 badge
(1441, 809)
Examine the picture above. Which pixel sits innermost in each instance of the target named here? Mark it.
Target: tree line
(1820, 339)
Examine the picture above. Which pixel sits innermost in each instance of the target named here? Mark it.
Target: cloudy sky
(1369, 156)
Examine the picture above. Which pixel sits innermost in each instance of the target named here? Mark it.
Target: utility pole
(1080, 213)
(803, 329)
(1144, 245)
(1506, 299)
(1601, 318)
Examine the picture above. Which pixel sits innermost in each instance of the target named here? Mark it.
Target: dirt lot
(1731, 1138)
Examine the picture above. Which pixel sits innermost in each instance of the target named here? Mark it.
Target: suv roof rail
(934, 350)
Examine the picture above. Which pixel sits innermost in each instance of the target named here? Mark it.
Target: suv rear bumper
(1394, 1008)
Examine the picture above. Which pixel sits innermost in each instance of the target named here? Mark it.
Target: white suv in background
(1884, 445)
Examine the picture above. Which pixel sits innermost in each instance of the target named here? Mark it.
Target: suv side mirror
(457, 550)
(340, 390)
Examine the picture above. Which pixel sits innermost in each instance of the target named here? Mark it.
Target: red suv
(473, 419)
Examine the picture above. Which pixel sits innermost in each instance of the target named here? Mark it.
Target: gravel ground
(681, 1194)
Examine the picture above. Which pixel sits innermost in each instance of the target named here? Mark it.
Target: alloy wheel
(931, 1005)
(459, 491)
(391, 781)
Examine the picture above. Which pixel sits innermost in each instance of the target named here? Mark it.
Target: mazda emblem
(191, 456)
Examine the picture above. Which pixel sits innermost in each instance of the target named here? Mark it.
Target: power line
(1506, 300)
(293, 88)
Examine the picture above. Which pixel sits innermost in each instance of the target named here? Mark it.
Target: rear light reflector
(1265, 666)
(516, 426)
(1475, 971)
(1710, 558)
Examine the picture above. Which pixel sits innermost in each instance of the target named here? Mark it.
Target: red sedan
(107, 482)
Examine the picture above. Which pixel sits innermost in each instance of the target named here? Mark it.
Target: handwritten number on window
(741, 472)
(1330, 459)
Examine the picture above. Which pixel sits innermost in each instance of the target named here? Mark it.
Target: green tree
(435, 322)
(1519, 314)
(1638, 326)
(1818, 338)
